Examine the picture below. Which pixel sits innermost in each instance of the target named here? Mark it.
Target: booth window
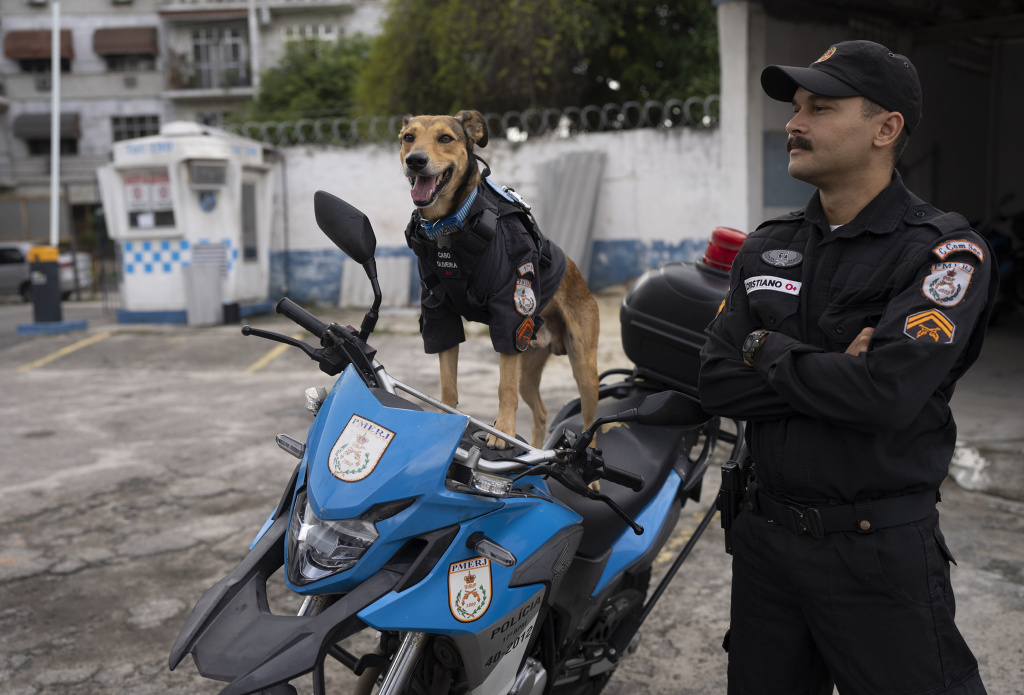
(148, 198)
(42, 147)
(127, 127)
(249, 222)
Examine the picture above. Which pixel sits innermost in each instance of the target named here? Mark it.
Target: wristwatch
(752, 342)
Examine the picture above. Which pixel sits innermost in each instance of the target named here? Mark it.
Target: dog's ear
(475, 126)
(406, 118)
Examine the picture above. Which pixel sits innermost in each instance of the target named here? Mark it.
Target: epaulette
(793, 216)
(922, 214)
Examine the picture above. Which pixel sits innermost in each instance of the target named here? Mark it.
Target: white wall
(660, 197)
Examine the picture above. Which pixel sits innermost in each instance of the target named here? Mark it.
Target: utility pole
(55, 126)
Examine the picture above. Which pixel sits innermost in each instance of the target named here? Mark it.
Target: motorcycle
(483, 571)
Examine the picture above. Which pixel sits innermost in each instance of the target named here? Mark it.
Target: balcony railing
(184, 73)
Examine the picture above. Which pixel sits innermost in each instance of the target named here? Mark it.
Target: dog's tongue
(423, 188)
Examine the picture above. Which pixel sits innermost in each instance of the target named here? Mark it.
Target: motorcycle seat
(645, 450)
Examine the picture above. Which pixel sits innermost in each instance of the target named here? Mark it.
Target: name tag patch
(947, 283)
(769, 282)
(957, 246)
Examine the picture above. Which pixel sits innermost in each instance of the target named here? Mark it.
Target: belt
(863, 517)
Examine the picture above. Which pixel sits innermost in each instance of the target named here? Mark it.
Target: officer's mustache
(797, 141)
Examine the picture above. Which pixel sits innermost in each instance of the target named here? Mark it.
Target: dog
(437, 155)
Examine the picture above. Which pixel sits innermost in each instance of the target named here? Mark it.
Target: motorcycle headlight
(318, 548)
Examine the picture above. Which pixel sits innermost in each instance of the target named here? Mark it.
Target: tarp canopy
(35, 44)
(125, 41)
(36, 126)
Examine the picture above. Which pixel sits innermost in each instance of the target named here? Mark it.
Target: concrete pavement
(137, 467)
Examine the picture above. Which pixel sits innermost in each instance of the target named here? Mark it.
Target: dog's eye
(445, 138)
(408, 137)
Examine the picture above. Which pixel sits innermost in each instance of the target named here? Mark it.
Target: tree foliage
(314, 78)
(438, 56)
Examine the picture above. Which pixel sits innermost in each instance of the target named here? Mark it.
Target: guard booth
(191, 211)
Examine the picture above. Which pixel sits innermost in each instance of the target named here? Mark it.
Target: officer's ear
(475, 126)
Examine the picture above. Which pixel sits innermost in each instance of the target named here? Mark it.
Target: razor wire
(515, 126)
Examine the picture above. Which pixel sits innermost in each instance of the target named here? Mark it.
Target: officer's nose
(416, 160)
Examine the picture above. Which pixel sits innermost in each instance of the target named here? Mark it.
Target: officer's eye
(445, 138)
(408, 137)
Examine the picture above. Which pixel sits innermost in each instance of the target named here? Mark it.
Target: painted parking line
(271, 354)
(85, 342)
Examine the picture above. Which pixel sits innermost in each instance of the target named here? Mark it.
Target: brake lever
(311, 352)
(575, 483)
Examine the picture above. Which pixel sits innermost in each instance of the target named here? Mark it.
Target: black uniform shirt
(508, 285)
(824, 425)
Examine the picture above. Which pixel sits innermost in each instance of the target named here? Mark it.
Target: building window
(221, 58)
(40, 146)
(134, 62)
(305, 32)
(127, 127)
(42, 65)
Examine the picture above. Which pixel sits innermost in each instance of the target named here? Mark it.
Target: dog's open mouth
(426, 188)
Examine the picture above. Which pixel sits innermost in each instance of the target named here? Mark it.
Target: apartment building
(127, 67)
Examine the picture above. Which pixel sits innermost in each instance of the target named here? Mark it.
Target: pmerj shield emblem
(359, 449)
(947, 283)
(469, 588)
(782, 258)
(525, 300)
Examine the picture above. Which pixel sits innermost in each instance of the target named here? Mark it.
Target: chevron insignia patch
(930, 325)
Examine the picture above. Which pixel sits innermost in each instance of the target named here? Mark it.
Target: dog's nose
(416, 160)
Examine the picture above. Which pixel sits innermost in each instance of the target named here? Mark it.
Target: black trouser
(873, 612)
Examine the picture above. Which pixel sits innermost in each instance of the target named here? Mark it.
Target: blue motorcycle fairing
(522, 527)
(629, 547)
(413, 465)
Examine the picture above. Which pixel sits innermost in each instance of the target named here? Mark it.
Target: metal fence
(516, 126)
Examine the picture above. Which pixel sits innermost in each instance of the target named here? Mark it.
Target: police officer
(846, 327)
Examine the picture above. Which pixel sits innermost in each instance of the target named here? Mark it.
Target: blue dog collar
(450, 224)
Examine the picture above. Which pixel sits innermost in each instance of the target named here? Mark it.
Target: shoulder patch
(958, 246)
(930, 325)
(947, 283)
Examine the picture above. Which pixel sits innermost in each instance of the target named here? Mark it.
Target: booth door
(254, 254)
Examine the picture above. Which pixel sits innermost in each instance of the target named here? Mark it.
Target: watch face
(749, 342)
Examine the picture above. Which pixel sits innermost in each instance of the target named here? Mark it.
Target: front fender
(233, 636)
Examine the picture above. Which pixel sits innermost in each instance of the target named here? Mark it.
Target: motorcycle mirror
(346, 226)
(670, 408)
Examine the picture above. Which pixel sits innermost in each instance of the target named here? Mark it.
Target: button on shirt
(823, 425)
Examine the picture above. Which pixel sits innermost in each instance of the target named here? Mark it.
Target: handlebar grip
(622, 477)
(302, 317)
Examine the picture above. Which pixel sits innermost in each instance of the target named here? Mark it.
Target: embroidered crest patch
(525, 300)
(943, 250)
(358, 449)
(947, 283)
(782, 258)
(767, 282)
(469, 589)
(930, 325)
(826, 55)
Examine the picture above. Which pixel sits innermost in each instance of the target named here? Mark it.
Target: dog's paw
(494, 442)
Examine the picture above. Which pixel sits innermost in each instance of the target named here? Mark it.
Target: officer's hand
(860, 343)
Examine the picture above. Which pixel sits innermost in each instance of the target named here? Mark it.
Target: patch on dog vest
(930, 325)
(525, 300)
(943, 250)
(523, 334)
(947, 283)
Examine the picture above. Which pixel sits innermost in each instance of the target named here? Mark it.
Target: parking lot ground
(136, 469)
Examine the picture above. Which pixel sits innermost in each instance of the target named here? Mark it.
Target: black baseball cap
(853, 68)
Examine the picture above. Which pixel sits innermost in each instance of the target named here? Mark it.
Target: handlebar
(296, 313)
(622, 477)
